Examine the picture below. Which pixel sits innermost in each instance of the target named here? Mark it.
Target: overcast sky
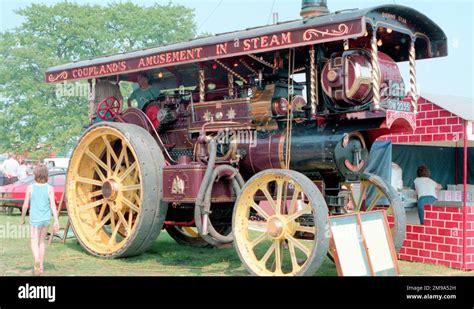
(452, 75)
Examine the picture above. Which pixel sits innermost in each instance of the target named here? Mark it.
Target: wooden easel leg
(51, 232)
(66, 231)
(51, 229)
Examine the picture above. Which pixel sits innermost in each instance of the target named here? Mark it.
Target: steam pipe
(203, 200)
(237, 183)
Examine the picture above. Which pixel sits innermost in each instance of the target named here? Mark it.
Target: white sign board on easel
(346, 236)
(362, 245)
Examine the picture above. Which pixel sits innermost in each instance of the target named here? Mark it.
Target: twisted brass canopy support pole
(413, 86)
(202, 85)
(375, 72)
(313, 81)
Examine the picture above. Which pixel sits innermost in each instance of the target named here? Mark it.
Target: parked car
(52, 163)
(13, 195)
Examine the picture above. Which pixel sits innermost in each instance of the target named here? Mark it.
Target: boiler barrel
(312, 150)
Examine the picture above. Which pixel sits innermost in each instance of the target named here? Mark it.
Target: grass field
(165, 258)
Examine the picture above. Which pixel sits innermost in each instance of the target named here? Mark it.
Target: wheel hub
(276, 227)
(110, 189)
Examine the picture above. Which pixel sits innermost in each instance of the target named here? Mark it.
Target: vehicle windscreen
(28, 179)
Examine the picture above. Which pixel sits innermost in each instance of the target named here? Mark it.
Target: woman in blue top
(40, 198)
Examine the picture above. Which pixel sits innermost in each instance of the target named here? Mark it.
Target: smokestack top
(310, 8)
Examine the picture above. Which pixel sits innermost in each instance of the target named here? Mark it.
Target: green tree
(32, 117)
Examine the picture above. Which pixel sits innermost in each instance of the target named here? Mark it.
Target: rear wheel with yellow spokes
(370, 193)
(279, 224)
(114, 196)
(186, 235)
(189, 235)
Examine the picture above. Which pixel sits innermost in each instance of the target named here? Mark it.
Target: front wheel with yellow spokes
(114, 195)
(279, 224)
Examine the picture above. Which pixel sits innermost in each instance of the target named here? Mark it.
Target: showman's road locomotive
(257, 138)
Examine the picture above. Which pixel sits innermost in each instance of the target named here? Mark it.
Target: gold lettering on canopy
(59, 76)
(234, 46)
(312, 34)
(170, 57)
(394, 17)
(221, 49)
(91, 71)
(268, 41)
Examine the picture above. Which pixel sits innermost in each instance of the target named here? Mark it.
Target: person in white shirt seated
(425, 188)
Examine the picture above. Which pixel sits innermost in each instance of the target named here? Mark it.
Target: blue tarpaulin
(380, 160)
(440, 160)
(380, 163)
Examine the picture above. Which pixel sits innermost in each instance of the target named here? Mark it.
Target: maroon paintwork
(236, 110)
(264, 155)
(238, 46)
(347, 77)
(191, 176)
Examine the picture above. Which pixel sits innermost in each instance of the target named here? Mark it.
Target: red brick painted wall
(439, 240)
(470, 238)
(432, 124)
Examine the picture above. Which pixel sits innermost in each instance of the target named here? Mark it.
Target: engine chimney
(310, 8)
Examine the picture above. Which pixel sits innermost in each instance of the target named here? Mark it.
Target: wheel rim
(105, 190)
(372, 191)
(186, 235)
(288, 238)
(190, 231)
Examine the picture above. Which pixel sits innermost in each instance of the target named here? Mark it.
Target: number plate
(396, 105)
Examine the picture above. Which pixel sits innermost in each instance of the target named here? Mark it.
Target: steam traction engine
(260, 136)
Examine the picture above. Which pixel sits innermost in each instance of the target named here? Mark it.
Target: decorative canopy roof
(340, 25)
